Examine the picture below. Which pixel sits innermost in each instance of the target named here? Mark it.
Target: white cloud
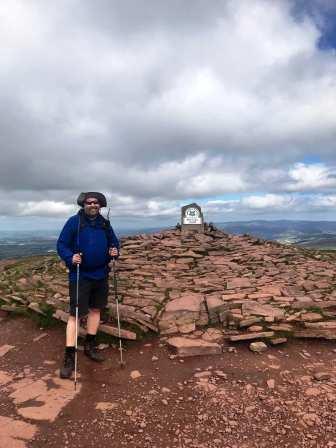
(327, 202)
(267, 201)
(45, 208)
(311, 177)
(159, 108)
(221, 207)
(211, 183)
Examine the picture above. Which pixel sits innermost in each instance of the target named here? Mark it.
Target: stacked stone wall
(176, 283)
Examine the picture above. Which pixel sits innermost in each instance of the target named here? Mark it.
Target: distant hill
(310, 234)
(313, 234)
(17, 244)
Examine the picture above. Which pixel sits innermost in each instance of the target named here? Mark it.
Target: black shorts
(91, 294)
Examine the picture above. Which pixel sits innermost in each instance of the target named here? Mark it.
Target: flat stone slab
(188, 302)
(5, 378)
(239, 282)
(193, 347)
(247, 337)
(214, 303)
(282, 327)
(311, 317)
(249, 321)
(277, 341)
(310, 303)
(15, 433)
(213, 335)
(322, 333)
(113, 331)
(4, 349)
(331, 325)
(262, 310)
(45, 402)
(108, 329)
(35, 307)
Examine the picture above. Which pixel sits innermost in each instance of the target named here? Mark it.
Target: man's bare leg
(93, 321)
(71, 332)
(92, 326)
(69, 358)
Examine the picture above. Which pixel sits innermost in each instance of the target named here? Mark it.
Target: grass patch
(47, 320)
(314, 309)
(158, 306)
(103, 338)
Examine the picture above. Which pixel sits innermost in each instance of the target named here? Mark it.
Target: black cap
(91, 194)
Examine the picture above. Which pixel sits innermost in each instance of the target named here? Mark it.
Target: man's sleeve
(65, 242)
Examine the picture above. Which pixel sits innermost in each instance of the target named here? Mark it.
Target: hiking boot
(68, 365)
(92, 352)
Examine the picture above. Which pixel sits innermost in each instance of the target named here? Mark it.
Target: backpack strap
(80, 225)
(106, 225)
(82, 222)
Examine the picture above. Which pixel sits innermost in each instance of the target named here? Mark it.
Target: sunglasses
(91, 203)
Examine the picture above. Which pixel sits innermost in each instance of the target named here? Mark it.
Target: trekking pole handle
(75, 255)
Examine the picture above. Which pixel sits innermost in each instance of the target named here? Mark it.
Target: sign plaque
(192, 218)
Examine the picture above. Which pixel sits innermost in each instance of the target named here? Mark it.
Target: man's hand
(113, 252)
(77, 259)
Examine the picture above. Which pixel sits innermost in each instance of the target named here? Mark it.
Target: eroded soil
(284, 397)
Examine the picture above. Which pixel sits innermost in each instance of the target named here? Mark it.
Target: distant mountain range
(16, 244)
(310, 234)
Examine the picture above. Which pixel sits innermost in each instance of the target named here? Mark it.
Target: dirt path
(284, 397)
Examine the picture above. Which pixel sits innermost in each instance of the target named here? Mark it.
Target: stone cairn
(197, 290)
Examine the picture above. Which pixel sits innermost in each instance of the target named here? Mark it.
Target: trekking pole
(76, 341)
(121, 363)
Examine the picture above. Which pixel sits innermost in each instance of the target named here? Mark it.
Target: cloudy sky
(227, 103)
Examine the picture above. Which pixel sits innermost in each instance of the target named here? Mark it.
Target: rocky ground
(176, 283)
(283, 397)
(266, 312)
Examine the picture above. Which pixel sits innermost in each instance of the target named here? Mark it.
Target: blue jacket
(92, 240)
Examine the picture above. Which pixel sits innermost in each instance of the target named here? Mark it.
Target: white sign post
(192, 218)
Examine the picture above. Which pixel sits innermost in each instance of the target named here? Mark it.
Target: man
(87, 240)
